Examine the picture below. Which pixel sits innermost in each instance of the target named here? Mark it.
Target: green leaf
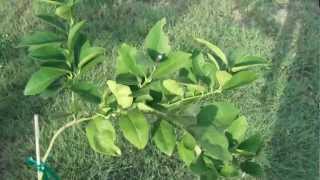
(175, 61)
(48, 53)
(41, 79)
(74, 34)
(239, 79)
(221, 114)
(127, 61)
(246, 62)
(53, 2)
(64, 11)
(165, 137)
(39, 38)
(53, 21)
(87, 91)
(229, 170)
(157, 40)
(238, 128)
(186, 149)
(127, 79)
(201, 168)
(173, 87)
(89, 54)
(209, 70)
(251, 146)
(223, 77)
(135, 128)
(101, 136)
(122, 93)
(216, 50)
(198, 63)
(212, 141)
(252, 168)
(214, 61)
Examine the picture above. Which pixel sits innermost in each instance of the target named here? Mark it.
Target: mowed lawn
(283, 105)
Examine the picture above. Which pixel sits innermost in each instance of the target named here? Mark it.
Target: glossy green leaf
(135, 128)
(48, 53)
(40, 38)
(209, 70)
(238, 128)
(186, 149)
(239, 79)
(127, 79)
(74, 34)
(251, 146)
(87, 91)
(216, 50)
(221, 114)
(53, 21)
(173, 87)
(165, 137)
(64, 11)
(157, 40)
(101, 136)
(246, 62)
(122, 93)
(175, 61)
(41, 79)
(89, 54)
(223, 77)
(127, 61)
(252, 168)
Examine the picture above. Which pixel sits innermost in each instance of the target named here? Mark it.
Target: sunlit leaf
(135, 128)
(122, 93)
(101, 136)
(239, 79)
(157, 40)
(165, 137)
(215, 49)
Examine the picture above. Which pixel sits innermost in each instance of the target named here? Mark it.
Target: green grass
(283, 105)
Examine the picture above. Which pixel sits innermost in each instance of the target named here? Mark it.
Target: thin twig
(60, 130)
(37, 137)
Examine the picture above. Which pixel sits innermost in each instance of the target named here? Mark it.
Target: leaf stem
(59, 131)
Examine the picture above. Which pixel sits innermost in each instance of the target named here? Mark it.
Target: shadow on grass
(293, 85)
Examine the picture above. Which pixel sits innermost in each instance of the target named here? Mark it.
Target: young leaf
(101, 136)
(64, 11)
(175, 61)
(135, 128)
(53, 2)
(223, 77)
(157, 40)
(186, 149)
(216, 50)
(165, 137)
(41, 79)
(198, 63)
(238, 128)
(239, 79)
(48, 53)
(251, 146)
(252, 168)
(87, 91)
(89, 54)
(229, 170)
(173, 87)
(127, 61)
(74, 34)
(53, 21)
(39, 38)
(246, 62)
(214, 61)
(122, 93)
